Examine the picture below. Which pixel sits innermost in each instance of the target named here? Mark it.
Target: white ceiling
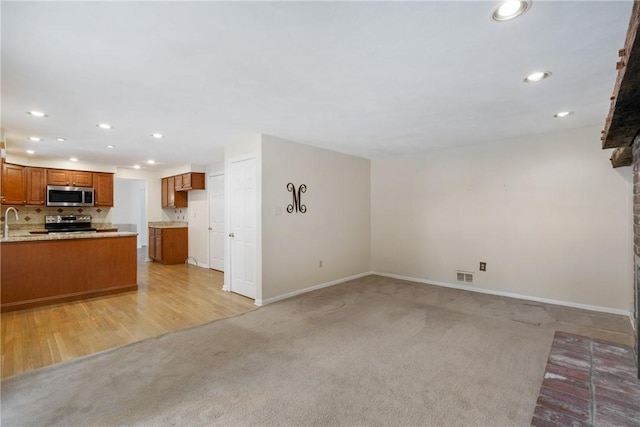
(365, 78)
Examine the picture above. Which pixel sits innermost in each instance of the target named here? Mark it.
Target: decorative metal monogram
(297, 198)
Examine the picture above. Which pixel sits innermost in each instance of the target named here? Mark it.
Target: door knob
(232, 235)
(210, 229)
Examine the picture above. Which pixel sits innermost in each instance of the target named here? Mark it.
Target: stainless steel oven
(68, 224)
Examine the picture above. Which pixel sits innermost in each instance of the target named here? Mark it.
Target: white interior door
(243, 226)
(216, 222)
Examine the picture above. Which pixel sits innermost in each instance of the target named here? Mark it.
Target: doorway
(129, 212)
(216, 221)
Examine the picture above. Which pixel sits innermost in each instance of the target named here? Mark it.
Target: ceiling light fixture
(510, 9)
(157, 135)
(151, 162)
(104, 126)
(73, 159)
(136, 166)
(111, 146)
(538, 76)
(35, 139)
(36, 113)
(61, 139)
(563, 114)
(31, 152)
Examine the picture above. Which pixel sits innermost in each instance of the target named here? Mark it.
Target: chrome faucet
(6, 220)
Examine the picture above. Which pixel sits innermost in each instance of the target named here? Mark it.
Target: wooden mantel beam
(623, 122)
(622, 156)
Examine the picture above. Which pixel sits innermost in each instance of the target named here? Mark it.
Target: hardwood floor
(169, 297)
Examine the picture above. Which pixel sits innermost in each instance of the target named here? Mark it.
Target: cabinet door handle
(232, 235)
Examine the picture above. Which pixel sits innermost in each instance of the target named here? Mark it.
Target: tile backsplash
(34, 215)
(181, 214)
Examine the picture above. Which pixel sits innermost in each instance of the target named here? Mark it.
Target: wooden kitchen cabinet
(69, 178)
(174, 188)
(13, 184)
(177, 182)
(189, 181)
(168, 245)
(165, 193)
(103, 186)
(170, 197)
(155, 243)
(43, 272)
(35, 189)
(171, 192)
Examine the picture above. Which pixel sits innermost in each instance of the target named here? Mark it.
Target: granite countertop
(168, 224)
(26, 236)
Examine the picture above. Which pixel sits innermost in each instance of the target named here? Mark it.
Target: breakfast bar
(44, 269)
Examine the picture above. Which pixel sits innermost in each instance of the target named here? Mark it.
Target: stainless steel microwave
(69, 196)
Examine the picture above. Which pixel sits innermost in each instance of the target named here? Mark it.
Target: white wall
(198, 216)
(121, 214)
(548, 214)
(335, 228)
(153, 185)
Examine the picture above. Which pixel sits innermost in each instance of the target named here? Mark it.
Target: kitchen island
(44, 269)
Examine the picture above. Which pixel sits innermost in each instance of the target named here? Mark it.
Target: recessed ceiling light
(36, 113)
(562, 114)
(74, 159)
(136, 166)
(157, 135)
(31, 152)
(510, 9)
(104, 126)
(61, 139)
(111, 146)
(34, 139)
(537, 76)
(151, 161)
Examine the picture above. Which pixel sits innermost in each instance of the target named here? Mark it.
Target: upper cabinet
(13, 184)
(103, 186)
(36, 185)
(22, 185)
(174, 188)
(189, 181)
(170, 197)
(26, 185)
(69, 178)
(165, 192)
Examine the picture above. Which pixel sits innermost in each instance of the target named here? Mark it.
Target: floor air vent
(464, 276)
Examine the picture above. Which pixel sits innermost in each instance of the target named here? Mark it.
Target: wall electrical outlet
(483, 266)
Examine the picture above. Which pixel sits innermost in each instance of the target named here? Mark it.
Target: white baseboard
(309, 289)
(511, 295)
(193, 261)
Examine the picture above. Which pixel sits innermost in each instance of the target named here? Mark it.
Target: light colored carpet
(375, 352)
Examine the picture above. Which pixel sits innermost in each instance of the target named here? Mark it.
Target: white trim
(311, 288)
(510, 294)
(195, 263)
(209, 176)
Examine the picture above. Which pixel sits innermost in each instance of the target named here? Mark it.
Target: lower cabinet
(168, 245)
